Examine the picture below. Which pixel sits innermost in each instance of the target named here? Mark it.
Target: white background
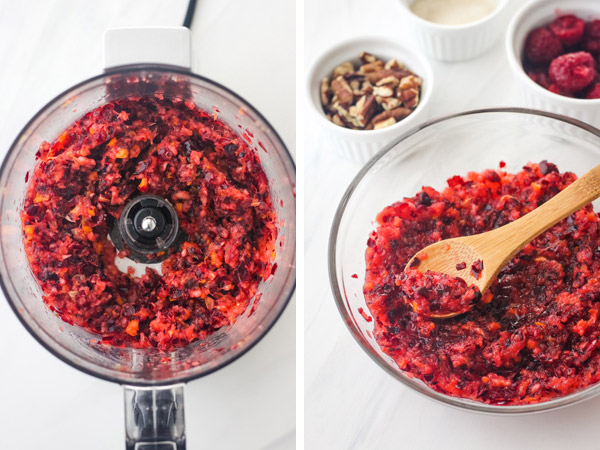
(350, 402)
(46, 47)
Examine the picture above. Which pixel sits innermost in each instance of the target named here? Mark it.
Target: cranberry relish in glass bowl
(428, 156)
(533, 336)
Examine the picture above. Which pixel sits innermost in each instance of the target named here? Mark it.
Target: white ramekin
(361, 145)
(453, 43)
(534, 15)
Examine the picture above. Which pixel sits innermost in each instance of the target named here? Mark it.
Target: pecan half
(384, 73)
(390, 81)
(384, 123)
(372, 94)
(367, 58)
(410, 81)
(342, 91)
(409, 97)
(354, 76)
(337, 120)
(325, 91)
(367, 87)
(390, 103)
(397, 114)
(363, 110)
(383, 91)
(344, 114)
(395, 65)
(371, 67)
(342, 69)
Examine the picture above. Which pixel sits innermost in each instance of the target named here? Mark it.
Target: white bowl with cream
(361, 145)
(455, 30)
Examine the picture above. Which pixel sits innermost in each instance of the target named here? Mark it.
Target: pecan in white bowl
(371, 94)
(363, 102)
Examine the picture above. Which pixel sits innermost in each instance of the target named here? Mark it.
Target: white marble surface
(350, 403)
(47, 46)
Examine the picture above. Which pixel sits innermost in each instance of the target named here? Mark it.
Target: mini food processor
(138, 63)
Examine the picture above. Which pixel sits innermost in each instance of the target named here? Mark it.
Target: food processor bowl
(144, 368)
(428, 156)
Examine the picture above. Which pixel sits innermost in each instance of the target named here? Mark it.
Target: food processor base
(154, 418)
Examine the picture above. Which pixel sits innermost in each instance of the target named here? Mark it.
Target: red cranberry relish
(536, 339)
(173, 150)
(435, 293)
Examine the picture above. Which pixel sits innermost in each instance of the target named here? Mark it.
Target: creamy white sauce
(453, 12)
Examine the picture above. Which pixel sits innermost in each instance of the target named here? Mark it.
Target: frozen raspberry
(594, 92)
(591, 41)
(573, 71)
(541, 77)
(542, 46)
(554, 88)
(569, 29)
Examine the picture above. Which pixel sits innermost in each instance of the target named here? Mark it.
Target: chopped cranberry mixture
(477, 268)
(564, 57)
(535, 338)
(221, 195)
(433, 293)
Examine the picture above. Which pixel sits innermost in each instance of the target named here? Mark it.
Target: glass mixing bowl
(79, 348)
(428, 156)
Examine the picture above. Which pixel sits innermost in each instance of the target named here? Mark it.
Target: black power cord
(189, 15)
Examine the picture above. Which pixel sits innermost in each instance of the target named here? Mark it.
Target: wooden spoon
(497, 247)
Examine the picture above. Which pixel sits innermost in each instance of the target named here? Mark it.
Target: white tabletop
(350, 402)
(46, 47)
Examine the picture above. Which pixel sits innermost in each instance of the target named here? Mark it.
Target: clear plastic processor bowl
(428, 156)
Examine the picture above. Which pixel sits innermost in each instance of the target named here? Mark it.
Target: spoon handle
(582, 191)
